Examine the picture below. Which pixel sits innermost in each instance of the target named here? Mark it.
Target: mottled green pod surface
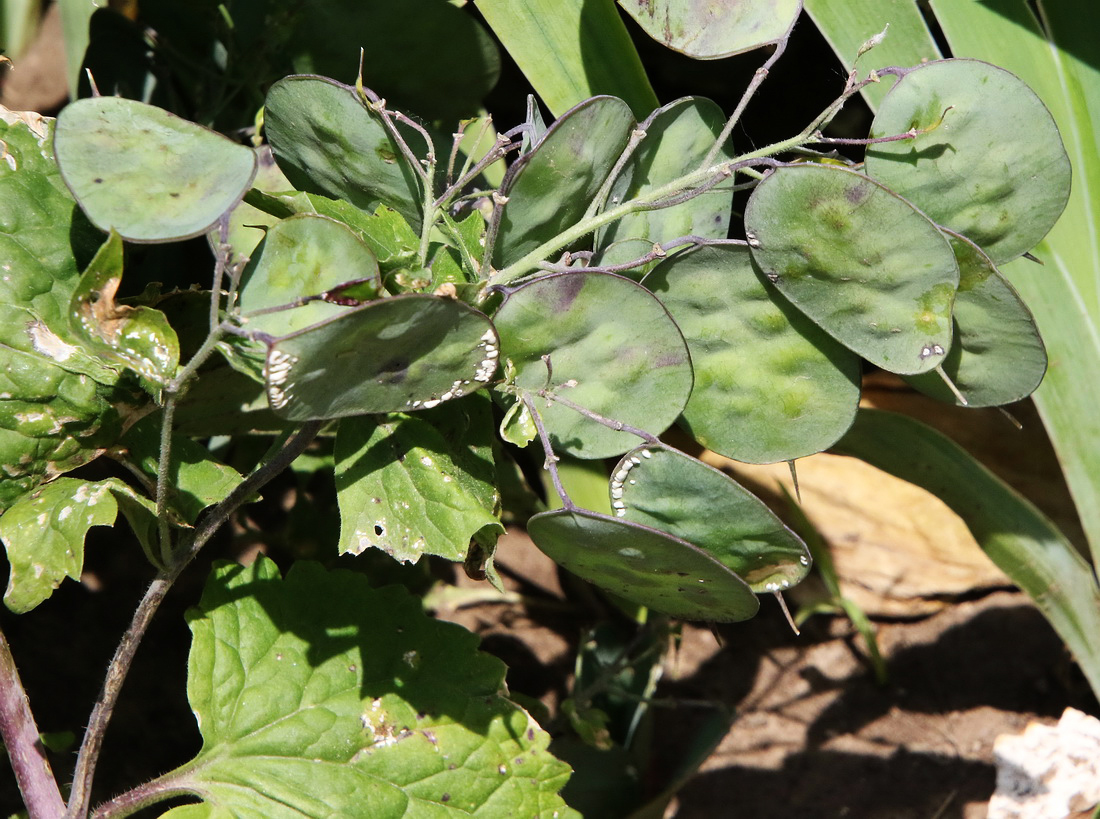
(549, 189)
(997, 355)
(305, 255)
(643, 565)
(859, 260)
(148, 174)
(610, 336)
(678, 138)
(327, 141)
(707, 30)
(991, 164)
(770, 385)
(395, 355)
(665, 489)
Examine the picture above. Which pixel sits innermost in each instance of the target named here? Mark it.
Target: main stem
(32, 771)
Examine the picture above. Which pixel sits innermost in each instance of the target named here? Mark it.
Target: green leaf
(1056, 59)
(327, 141)
(610, 336)
(1016, 536)
(305, 255)
(197, 479)
(571, 50)
(318, 696)
(550, 188)
(770, 385)
(44, 533)
(996, 356)
(136, 337)
(402, 353)
(678, 138)
(861, 262)
(408, 489)
(146, 173)
(643, 565)
(707, 31)
(849, 25)
(662, 488)
(992, 168)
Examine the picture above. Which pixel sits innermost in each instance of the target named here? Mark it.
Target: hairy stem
(154, 596)
(36, 782)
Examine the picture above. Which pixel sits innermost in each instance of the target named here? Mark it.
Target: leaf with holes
(707, 30)
(44, 533)
(320, 684)
(146, 173)
(991, 164)
(136, 337)
(997, 355)
(859, 261)
(306, 255)
(660, 487)
(549, 189)
(327, 141)
(408, 489)
(610, 336)
(644, 565)
(770, 385)
(678, 138)
(398, 354)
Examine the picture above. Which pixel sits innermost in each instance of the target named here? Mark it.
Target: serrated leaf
(136, 337)
(707, 30)
(146, 173)
(407, 352)
(327, 141)
(646, 566)
(319, 696)
(550, 188)
(770, 385)
(197, 479)
(405, 488)
(861, 262)
(678, 138)
(997, 355)
(614, 339)
(303, 256)
(992, 168)
(44, 533)
(665, 489)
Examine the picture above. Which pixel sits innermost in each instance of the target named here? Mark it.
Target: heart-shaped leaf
(646, 566)
(860, 261)
(770, 385)
(146, 173)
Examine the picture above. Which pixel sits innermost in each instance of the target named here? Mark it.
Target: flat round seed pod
(643, 565)
(770, 385)
(394, 355)
(148, 174)
(614, 339)
(865, 265)
(665, 489)
(992, 168)
(550, 188)
(997, 355)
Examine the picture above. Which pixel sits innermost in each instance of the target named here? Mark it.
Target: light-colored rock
(1048, 772)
